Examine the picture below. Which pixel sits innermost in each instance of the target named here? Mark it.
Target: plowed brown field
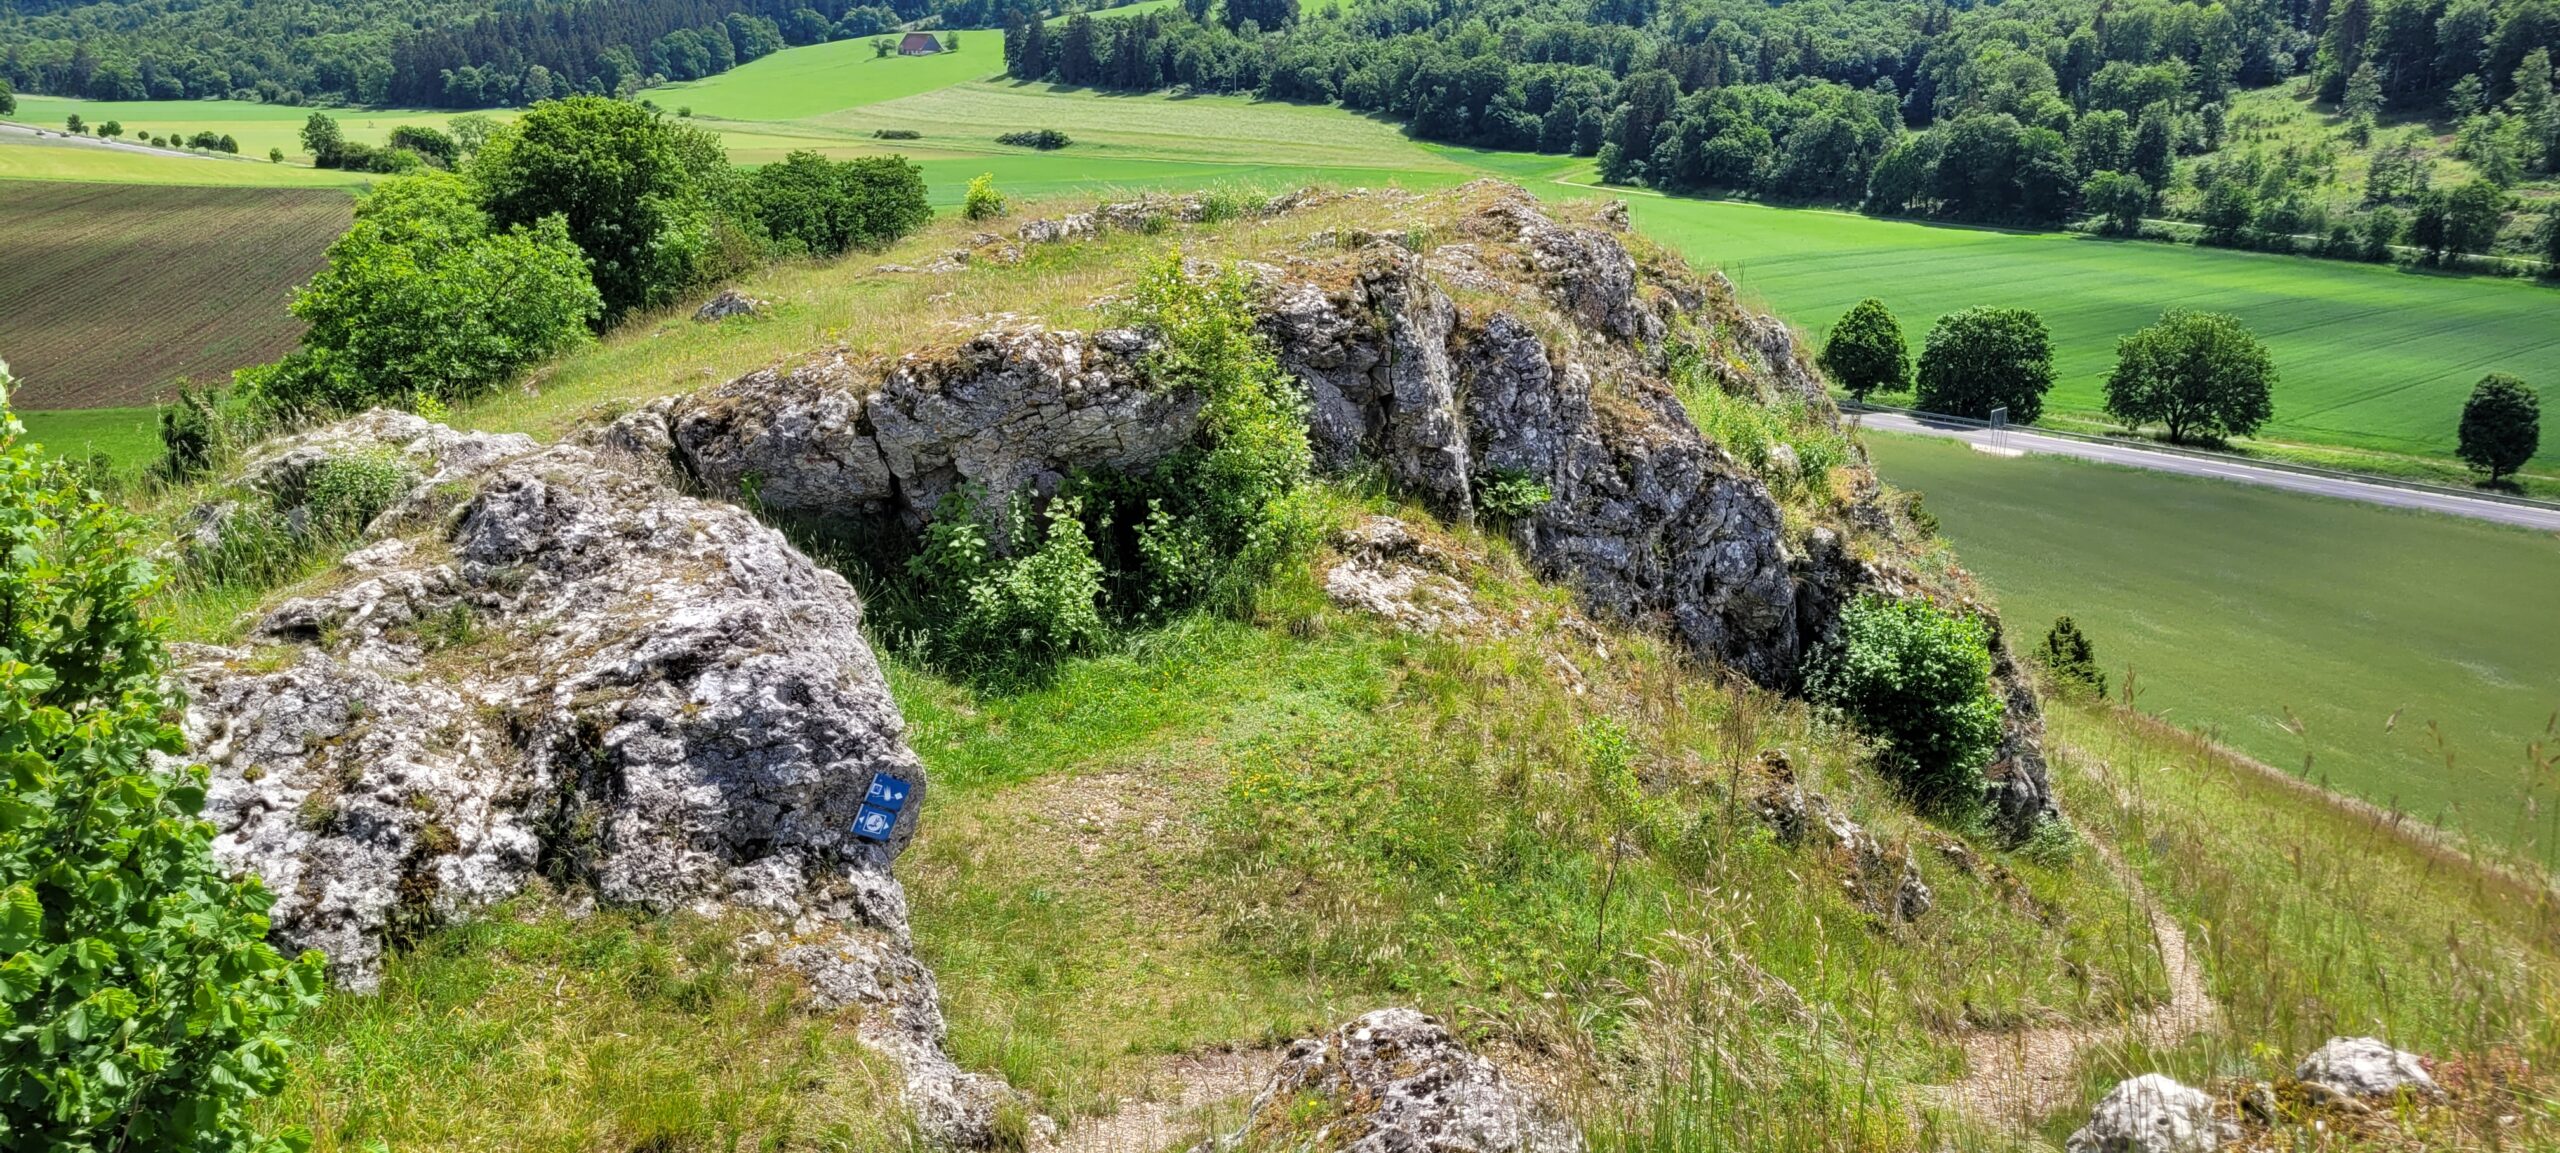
(109, 292)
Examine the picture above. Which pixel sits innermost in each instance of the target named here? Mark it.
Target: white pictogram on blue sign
(874, 824)
(888, 792)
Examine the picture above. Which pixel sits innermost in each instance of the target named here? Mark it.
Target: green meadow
(2409, 658)
(257, 127)
(2369, 357)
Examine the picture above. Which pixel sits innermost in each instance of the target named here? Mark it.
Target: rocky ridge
(1516, 346)
(585, 665)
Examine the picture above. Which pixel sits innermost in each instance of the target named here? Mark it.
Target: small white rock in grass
(2151, 1114)
(2365, 1067)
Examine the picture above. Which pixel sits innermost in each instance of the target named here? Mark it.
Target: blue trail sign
(880, 807)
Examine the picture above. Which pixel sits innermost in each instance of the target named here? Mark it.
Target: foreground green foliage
(140, 1004)
(2201, 375)
(1919, 678)
(422, 298)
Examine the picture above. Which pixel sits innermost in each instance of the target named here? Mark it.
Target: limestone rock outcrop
(577, 674)
(1390, 1082)
(2152, 1114)
(1552, 373)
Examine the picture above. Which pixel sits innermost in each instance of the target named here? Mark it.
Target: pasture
(116, 290)
(2370, 357)
(2409, 658)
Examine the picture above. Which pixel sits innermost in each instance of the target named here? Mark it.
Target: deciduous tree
(2201, 374)
(1865, 352)
(1985, 358)
(2501, 426)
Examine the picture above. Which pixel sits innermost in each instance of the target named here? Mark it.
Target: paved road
(2451, 504)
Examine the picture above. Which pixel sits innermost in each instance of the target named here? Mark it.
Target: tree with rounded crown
(1865, 353)
(2201, 374)
(2501, 426)
(1984, 358)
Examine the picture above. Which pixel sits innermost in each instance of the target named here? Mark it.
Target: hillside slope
(1534, 770)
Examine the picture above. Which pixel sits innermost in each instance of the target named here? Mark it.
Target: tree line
(2031, 112)
(2201, 377)
(419, 53)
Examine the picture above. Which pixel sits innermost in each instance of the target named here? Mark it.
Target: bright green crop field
(2418, 655)
(2369, 357)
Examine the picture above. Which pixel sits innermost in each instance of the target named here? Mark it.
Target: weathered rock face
(586, 676)
(1552, 372)
(2365, 1067)
(1391, 1082)
(2151, 1114)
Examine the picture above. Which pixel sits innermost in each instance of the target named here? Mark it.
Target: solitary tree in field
(2501, 426)
(2199, 373)
(111, 129)
(882, 47)
(74, 125)
(1985, 358)
(1865, 352)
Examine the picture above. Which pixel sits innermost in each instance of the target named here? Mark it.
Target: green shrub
(642, 196)
(342, 494)
(140, 1004)
(1509, 494)
(808, 203)
(1044, 139)
(420, 296)
(982, 202)
(1918, 678)
(1003, 615)
(897, 134)
(2069, 656)
(1221, 514)
(193, 433)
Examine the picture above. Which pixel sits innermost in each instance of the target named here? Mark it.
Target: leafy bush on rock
(1918, 678)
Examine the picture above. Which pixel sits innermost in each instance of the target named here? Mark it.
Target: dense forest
(2025, 112)
(424, 53)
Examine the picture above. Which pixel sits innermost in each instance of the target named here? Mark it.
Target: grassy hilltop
(1146, 869)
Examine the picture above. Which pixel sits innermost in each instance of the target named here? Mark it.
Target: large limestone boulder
(2151, 1114)
(2365, 1067)
(1391, 1082)
(576, 674)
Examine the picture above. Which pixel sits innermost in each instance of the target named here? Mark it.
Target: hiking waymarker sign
(880, 807)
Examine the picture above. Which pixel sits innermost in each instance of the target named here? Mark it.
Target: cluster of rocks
(1395, 1081)
(1884, 884)
(2153, 1113)
(580, 675)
